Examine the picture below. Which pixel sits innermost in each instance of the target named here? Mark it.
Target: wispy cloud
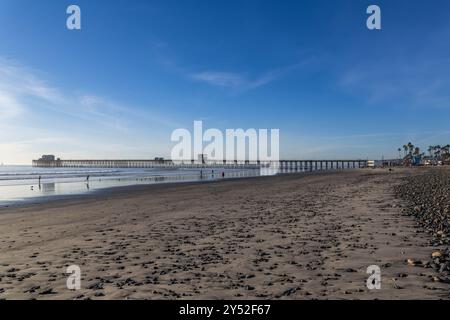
(222, 79)
(21, 90)
(242, 81)
(405, 87)
(28, 102)
(22, 82)
(9, 106)
(20, 87)
(109, 111)
(402, 77)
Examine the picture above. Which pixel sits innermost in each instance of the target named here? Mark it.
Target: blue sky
(140, 69)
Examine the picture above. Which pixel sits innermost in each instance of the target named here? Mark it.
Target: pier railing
(282, 164)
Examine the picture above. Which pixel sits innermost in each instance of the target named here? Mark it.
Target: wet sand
(299, 236)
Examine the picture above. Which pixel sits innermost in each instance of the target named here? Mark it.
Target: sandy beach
(299, 236)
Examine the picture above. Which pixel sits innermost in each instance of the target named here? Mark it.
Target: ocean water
(22, 184)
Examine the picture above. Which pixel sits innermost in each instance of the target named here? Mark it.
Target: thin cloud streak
(241, 81)
(9, 106)
(87, 124)
(17, 84)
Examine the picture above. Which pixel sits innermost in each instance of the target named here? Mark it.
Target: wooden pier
(297, 165)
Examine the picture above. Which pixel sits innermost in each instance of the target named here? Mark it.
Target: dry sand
(290, 237)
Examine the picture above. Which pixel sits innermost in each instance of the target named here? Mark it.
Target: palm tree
(410, 147)
(399, 153)
(446, 151)
(405, 148)
(437, 151)
(431, 150)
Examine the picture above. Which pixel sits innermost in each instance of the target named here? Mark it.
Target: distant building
(416, 160)
(47, 157)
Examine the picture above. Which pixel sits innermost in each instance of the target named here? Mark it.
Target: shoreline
(295, 236)
(15, 190)
(126, 190)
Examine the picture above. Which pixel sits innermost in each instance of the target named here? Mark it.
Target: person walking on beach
(39, 180)
(223, 174)
(87, 179)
